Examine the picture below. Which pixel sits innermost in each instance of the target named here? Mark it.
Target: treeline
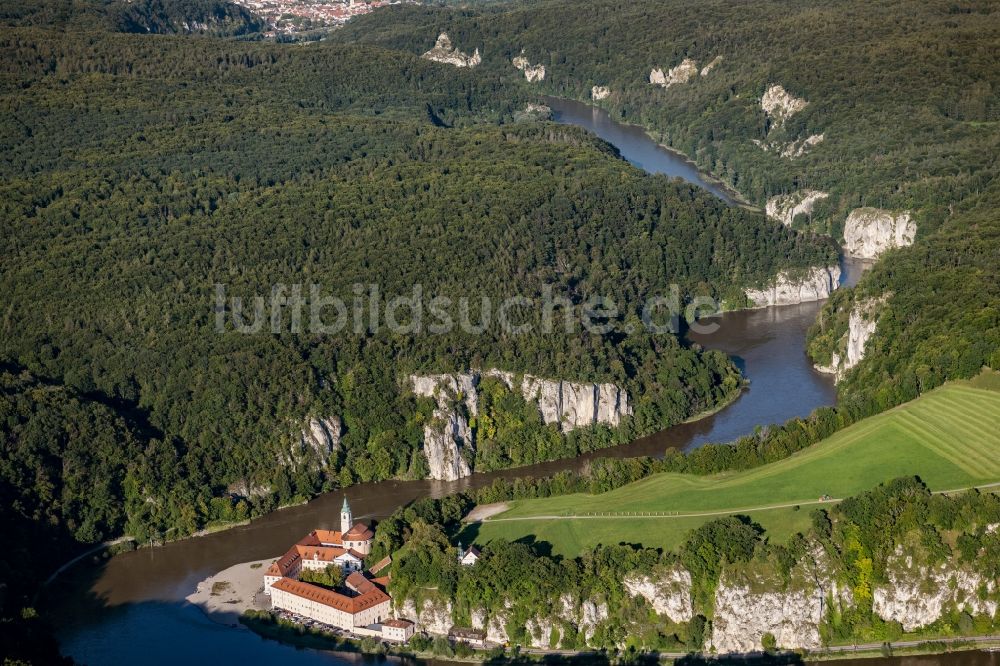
(851, 542)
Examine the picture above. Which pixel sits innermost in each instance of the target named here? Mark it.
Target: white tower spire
(346, 520)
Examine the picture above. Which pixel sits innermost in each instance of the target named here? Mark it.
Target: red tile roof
(399, 624)
(360, 532)
(352, 605)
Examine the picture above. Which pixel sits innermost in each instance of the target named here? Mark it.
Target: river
(131, 608)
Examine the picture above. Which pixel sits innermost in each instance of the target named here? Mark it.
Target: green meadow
(949, 437)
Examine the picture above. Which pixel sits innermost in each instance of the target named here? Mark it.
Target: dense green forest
(906, 96)
(853, 539)
(139, 171)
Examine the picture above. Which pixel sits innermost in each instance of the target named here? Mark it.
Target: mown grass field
(949, 437)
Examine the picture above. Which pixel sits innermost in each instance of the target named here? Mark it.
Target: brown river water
(131, 608)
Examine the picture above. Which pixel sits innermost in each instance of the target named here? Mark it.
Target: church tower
(346, 520)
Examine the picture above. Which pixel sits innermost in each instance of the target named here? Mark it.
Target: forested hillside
(140, 171)
(905, 96)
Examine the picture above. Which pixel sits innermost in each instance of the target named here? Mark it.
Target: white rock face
(790, 149)
(598, 93)
(781, 105)
(792, 616)
(539, 632)
(574, 405)
(496, 628)
(868, 232)
(444, 52)
(784, 207)
(817, 284)
(532, 73)
(742, 617)
(448, 439)
(710, 66)
(433, 617)
(917, 595)
(584, 615)
(669, 594)
(861, 325)
(800, 147)
(681, 73)
(319, 439)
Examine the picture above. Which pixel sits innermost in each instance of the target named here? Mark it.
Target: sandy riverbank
(226, 595)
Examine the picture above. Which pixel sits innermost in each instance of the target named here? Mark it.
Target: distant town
(288, 17)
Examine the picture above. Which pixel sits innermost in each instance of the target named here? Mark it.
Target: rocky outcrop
(574, 405)
(790, 149)
(535, 112)
(815, 285)
(443, 51)
(247, 490)
(322, 437)
(748, 606)
(861, 324)
(917, 595)
(799, 147)
(679, 74)
(539, 632)
(585, 615)
(448, 439)
(669, 593)
(710, 66)
(784, 207)
(868, 232)
(780, 105)
(496, 628)
(598, 93)
(433, 617)
(532, 73)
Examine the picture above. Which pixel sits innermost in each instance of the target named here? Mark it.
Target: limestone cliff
(584, 614)
(917, 595)
(780, 105)
(784, 207)
(318, 440)
(868, 232)
(669, 592)
(815, 285)
(598, 93)
(532, 73)
(861, 325)
(679, 74)
(791, 149)
(748, 605)
(433, 617)
(443, 51)
(573, 405)
(449, 441)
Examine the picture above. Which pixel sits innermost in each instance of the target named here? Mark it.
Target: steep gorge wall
(449, 444)
(868, 232)
(815, 284)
